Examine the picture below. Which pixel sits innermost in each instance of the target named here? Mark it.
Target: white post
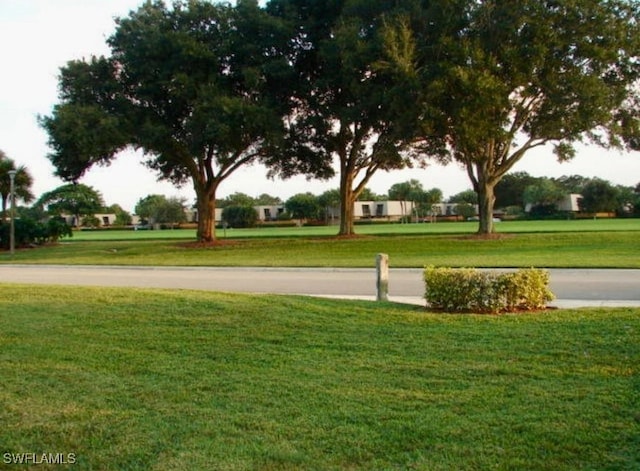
(382, 277)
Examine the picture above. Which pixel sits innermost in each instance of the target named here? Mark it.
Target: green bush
(29, 232)
(470, 290)
(240, 216)
(526, 289)
(90, 221)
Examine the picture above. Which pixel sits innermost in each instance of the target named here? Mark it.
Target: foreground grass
(179, 380)
(589, 249)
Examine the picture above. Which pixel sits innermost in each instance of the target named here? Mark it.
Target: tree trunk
(346, 205)
(206, 216)
(486, 200)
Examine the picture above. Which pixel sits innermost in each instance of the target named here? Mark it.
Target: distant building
(449, 209)
(269, 212)
(104, 219)
(390, 209)
(569, 203)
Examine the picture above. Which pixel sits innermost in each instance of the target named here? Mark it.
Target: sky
(38, 37)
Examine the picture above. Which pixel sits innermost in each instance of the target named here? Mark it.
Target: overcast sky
(37, 37)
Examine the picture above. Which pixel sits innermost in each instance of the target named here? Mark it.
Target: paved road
(571, 287)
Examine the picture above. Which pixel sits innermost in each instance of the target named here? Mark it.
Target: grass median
(589, 249)
(171, 380)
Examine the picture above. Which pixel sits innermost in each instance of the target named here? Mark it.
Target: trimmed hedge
(470, 290)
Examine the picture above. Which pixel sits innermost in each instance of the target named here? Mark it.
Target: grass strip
(615, 249)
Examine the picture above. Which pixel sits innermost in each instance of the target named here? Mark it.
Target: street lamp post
(12, 233)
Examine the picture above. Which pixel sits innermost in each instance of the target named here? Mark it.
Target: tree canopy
(196, 87)
(512, 76)
(349, 108)
(351, 85)
(21, 183)
(159, 209)
(74, 199)
(466, 196)
(303, 206)
(599, 196)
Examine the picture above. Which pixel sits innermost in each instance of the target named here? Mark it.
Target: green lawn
(507, 227)
(586, 249)
(181, 380)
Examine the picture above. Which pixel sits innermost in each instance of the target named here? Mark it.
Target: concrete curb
(558, 303)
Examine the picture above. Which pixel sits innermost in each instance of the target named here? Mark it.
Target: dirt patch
(207, 245)
(493, 236)
(347, 237)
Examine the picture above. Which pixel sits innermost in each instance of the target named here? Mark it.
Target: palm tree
(22, 182)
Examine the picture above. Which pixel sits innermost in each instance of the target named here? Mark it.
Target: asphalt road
(571, 287)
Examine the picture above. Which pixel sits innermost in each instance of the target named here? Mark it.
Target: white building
(390, 209)
(269, 212)
(569, 203)
(449, 209)
(104, 219)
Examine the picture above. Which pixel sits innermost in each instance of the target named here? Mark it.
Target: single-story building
(269, 212)
(569, 203)
(449, 209)
(104, 219)
(389, 209)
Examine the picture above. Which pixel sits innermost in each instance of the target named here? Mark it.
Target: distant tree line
(514, 194)
(43, 222)
(542, 194)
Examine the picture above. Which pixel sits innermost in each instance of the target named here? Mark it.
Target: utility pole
(12, 233)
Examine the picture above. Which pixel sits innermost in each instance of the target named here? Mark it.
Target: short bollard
(382, 276)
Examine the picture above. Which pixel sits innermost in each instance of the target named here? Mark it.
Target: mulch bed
(207, 245)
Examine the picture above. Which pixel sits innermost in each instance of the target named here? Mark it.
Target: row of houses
(390, 210)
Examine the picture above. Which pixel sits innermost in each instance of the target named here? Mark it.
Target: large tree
(304, 206)
(572, 183)
(509, 190)
(513, 76)
(73, 199)
(599, 196)
(197, 87)
(21, 183)
(348, 108)
(543, 196)
(159, 209)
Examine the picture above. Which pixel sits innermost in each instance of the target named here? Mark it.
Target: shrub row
(470, 290)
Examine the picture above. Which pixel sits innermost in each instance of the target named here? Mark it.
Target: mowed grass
(182, 380)
(587, 249)
(509, 227)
